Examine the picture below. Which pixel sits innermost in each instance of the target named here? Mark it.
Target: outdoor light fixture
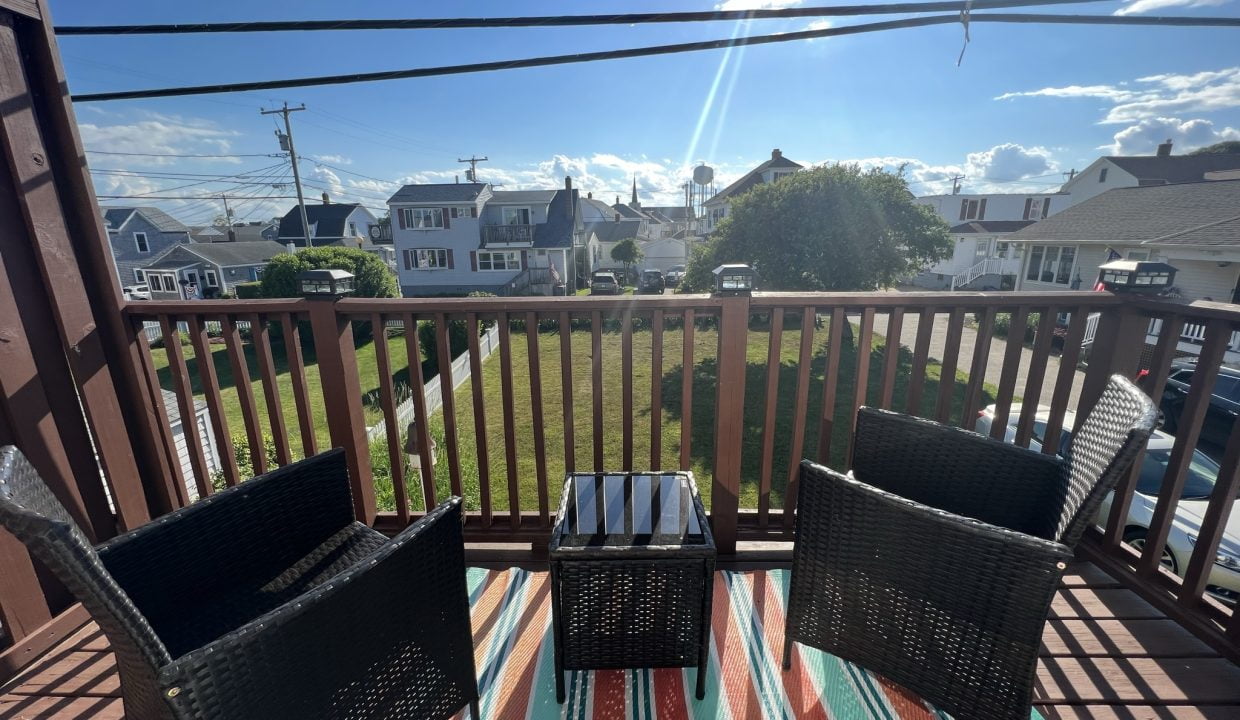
(329, 282)
(734, 279)
(1136, 276)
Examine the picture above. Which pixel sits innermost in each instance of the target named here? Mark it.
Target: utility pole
(287, 139)
(227, 219)
(956, 184)
(472, 174)
(1071, 174)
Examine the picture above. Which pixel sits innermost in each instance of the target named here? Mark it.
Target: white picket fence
(487, 344)
(154, 331)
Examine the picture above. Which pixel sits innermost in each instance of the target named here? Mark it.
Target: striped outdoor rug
(513, 649)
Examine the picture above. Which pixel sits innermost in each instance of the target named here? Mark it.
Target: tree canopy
(1227, 147)
(828, 228)
(628, 252)
(372, 278)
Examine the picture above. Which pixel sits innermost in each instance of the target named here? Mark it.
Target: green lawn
(670, 380)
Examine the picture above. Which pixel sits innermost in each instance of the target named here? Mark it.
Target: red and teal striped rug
(513, 649)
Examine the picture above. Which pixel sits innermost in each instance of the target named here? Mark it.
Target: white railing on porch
(987, 266)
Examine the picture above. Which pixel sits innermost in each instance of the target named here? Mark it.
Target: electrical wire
(180, 155)
(548, 60)
(551, 21)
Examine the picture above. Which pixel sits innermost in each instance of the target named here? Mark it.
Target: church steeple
(635, 203)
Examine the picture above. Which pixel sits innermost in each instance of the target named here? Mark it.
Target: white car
(1224, 579)
(675, 274)
(137, 292)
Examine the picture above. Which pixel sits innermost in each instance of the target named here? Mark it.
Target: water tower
(704, 189)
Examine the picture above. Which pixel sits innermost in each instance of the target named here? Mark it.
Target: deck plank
(1101, 604)
(1128, 638)
(77, 673)
(1209, 681)
(1139, 712)
(34, 707)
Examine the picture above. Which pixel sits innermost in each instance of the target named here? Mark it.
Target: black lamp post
(1136, 276)
(734, 279)
(328, 283)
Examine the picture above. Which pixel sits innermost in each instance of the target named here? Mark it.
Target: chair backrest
(30, 511)
(1102, 450)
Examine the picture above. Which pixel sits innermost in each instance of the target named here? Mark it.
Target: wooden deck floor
(1106, 654)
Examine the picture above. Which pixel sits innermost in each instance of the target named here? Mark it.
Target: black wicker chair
(267, 600)
(935, 561)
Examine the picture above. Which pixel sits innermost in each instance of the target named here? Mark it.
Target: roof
(1140, 214)
(628, 212)
(1223, 232)
(224, 254)
(557, 232)
(118, 216)
(522, 197)
(991, 226)
(172, 261)
(174, 410)
(1162, 170)
(754, 177)
(610, 232)
(656, 215)
(605, 209)
(674, 213)
(328, 221)
(438, 192)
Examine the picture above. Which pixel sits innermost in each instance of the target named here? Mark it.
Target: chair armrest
(959, 471)
(248, 533)
(392, 635)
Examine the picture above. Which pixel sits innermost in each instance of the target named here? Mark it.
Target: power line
(179, 155)
(184, 197)
(551, 21)
(548, 60)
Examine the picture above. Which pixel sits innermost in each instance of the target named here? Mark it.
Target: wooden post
(342, 399)
(729, 422)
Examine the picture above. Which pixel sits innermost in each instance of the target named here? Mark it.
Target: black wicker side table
(632, 560)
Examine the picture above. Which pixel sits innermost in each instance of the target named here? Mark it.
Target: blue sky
(1028, 103)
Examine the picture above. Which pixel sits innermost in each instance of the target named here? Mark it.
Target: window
(139, 239)
(426, 259)
(973, 209)
(139, 275)
(212, 279)
(352, 229)
(1036, 208)
(154, 284)
(1138, 255)
(423, 218)
(1051, 264)
(499, 261)
(1001, 248)
(1102, 175)
(516, 216)
(1035, 262)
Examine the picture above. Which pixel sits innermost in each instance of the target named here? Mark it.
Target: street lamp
(1136, 276)
(735, 279)
(325, 283)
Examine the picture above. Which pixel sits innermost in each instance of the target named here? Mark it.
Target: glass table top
(630, 509)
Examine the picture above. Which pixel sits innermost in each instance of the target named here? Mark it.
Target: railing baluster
(480, 417)
(421, 419)
(261, 339)
(387, 400)
(977, 370)
(596, 385)
(1156, 382)
(861, 384)
(947, 368)
(830, 384)
(185, 405)
(1213, 523)
(1188, 430)
(179, 495)
(1033, 379)
(510, 440)
(447, 395)
(566, 385)
(686, 391)
(891, 357)
(297, 377)
(1011, 366)
(921, 354)
(245, 394)
(215, 401)
(656, 391)
(773, 366)
(536, 410)
(626, 389)
(1065, 379)
(799, 411)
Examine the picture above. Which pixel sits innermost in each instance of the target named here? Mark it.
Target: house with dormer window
(718, 206)
(137, 236)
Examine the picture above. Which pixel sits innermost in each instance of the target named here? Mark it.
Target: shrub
(249, 290)
(182, 336)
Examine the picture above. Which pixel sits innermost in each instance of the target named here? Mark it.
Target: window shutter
(446, 214)
(525, 259)
(473, 211)
(453, 212)
(408, 261)
(1028, 207)
(964, 210)
(473, 260)
(451, 261)
(981, 210)
(1046, 206)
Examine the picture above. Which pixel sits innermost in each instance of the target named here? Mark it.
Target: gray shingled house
(205, 270)
(138, 235)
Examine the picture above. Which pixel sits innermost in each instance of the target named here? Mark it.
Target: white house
(719, 205)
(331, 224)
(664, 253)
(1108, 173)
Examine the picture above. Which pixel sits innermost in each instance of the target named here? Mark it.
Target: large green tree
(372, 278)
(1227, 147)
(627, 252)
(835, 227)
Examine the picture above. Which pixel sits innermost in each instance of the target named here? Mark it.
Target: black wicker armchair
(267, 600)
(935, 561)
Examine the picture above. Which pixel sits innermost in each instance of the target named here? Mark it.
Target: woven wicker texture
(273, 602)
(923, 568)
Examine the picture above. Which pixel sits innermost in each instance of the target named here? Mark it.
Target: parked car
(1224, 403)
(651, 283)
(137, 292)
(604, 283)
(675, 274)
(1202, 474)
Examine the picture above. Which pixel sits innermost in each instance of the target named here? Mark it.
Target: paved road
(994, 365)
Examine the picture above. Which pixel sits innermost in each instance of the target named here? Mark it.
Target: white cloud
(332, 159)
(1009, 167)
(159, 134)
(755, 4)
(1143, 137)
(1154, 96)
(1136, 7)
(1009, 162)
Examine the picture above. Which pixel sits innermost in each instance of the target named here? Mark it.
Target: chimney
(776, 154)
(590, 195)
(617, 199)
(326, 199)
(617, 217)
(1164, 149)
(458, 179)
(568, 183)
